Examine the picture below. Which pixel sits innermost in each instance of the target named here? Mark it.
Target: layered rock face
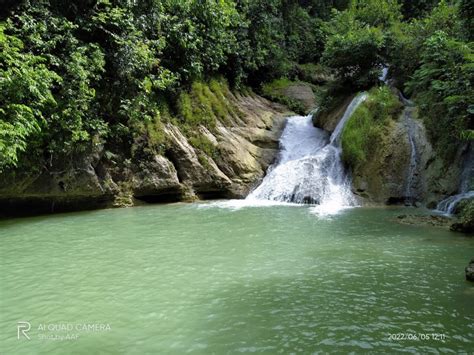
(97, 178)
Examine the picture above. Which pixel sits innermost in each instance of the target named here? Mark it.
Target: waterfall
(383, 75)
(412, 168)
(309, 169)
(448, 205)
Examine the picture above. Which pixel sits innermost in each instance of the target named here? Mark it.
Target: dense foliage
(77, 74)
(428, 49)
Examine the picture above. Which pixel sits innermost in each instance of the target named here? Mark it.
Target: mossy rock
(465, 211)
(297, 96)
(328, 117)
(313, 73)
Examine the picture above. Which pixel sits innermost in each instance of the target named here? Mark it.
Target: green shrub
(201, 142)
(355, 137)
(205, 103)
(276, 86)
(156, 134)
(25, 95)
(383, 104)
(355, 55)
(368, 124)
(356, 41)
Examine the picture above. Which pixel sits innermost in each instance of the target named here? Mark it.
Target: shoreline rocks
(451, 223)
(425, 220)
(244, 146)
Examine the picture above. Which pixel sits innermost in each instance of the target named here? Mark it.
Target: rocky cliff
(385, 177)
(243, 146)
(232, 160)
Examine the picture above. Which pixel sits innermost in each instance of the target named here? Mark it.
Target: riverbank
(225, 162)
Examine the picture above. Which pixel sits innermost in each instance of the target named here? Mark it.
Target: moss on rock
(297, 96)
(465, 212)
(365, 131)
(205, 104)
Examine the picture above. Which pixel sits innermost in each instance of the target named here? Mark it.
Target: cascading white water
(448, 205)
(309, 169)
(383, 75)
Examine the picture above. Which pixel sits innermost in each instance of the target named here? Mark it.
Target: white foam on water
(245, 203)
(309, 169)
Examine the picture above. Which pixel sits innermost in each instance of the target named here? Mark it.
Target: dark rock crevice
(172, 158)
(31, 206)
(164, 197)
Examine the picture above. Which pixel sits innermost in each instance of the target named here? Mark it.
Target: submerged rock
(470, 271)
(462, 227)
(452, 223)
(423, 220)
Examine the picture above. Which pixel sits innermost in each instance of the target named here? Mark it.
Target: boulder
(156, 178)
(382, 178)
(302, 93)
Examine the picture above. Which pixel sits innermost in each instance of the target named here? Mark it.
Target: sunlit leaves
(25, 92)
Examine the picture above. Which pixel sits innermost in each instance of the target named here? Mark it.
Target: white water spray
(309, 169)
(383, 75)
(448, 205)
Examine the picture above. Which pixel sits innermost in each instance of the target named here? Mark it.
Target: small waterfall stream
(383, 77)
(411, 129)
(448, 205)
(410, 126)
(309, 169)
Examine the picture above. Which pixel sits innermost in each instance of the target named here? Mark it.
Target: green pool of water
(189, 278)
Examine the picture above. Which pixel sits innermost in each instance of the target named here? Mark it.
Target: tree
(353, 50)
(25, 94)
(443, 89)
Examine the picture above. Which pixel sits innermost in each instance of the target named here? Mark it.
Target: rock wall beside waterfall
(383, 178)
(243, 147)
(329, 117)
(246, 145)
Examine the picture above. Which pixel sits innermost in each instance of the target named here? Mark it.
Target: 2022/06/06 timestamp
(417, 336)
